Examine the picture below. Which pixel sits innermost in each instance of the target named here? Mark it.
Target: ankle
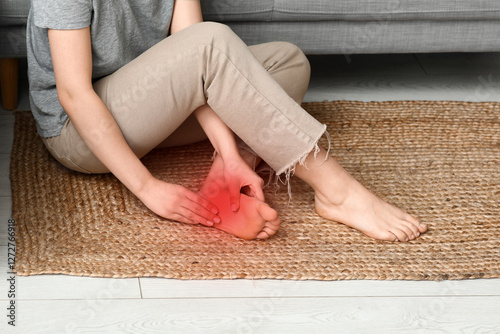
(331, 198)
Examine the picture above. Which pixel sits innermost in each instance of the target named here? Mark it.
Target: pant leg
(288, 66)
(206, 63)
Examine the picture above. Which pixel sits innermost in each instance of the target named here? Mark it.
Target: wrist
(143, 184)
(229, 154)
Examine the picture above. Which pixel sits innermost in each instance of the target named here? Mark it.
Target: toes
(275, 223)
(267, 232)
(388, 236)
(395, 238)
(266, 212)
(400, 235)
(270, 231)
(262, 235)
(421, 227)
(403, 232)
(272, 221)
(414, 230)
(408, 231)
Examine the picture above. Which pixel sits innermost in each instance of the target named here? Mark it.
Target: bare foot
(341, 198)
(254, 219)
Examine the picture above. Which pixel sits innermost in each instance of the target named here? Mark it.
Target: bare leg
(340, 197)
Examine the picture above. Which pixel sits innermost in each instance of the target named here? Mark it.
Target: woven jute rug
(440, 161)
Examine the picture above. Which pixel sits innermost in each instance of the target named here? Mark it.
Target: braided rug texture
(440, 161)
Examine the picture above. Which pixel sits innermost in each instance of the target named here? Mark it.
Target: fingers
(256, 186)
(252, 190)
(178, 203)
(194, 197)
(258, 192)
(240, 178)
(199, 210)
(190, 217)
(182, 219)
(234, 196)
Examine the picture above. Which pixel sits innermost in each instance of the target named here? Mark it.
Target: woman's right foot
(254, 219)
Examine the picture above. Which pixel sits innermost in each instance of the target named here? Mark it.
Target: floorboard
(60, 287)
(161, 288)
(269, 315)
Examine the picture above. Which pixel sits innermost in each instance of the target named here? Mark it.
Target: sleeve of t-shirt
(62, 14)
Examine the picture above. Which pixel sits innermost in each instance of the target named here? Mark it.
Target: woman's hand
(178, 203)
(239, 176)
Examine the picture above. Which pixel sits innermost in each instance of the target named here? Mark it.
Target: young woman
(110, 80)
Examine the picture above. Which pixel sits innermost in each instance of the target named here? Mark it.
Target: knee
(215, 30)
(295, 69)
(294, 59)
(217, 35)
(298, 60)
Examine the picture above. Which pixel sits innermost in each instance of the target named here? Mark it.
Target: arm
(237, 172)
(72, 61)
(186, 13)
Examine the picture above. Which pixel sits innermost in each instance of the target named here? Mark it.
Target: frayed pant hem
(289, 171)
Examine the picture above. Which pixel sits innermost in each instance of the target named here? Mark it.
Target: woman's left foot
(369, 214)
(341, 198)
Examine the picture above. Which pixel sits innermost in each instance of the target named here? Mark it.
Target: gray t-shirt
(120, 31)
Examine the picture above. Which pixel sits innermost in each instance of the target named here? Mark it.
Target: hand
(238, 176)
(178, 203)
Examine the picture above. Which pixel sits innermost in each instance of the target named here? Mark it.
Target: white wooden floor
(63, 304)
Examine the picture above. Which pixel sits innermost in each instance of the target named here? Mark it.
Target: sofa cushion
(369, 10)
(14, 12)
(349, 10)
(237, 10)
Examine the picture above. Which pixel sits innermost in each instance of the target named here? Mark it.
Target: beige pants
(255, 90)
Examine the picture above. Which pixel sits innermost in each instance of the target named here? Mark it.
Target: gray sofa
(318, 27)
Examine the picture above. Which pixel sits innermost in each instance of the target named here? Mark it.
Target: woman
(107, 86)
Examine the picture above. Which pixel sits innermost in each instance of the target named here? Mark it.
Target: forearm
(219, 134)
(101, 134)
